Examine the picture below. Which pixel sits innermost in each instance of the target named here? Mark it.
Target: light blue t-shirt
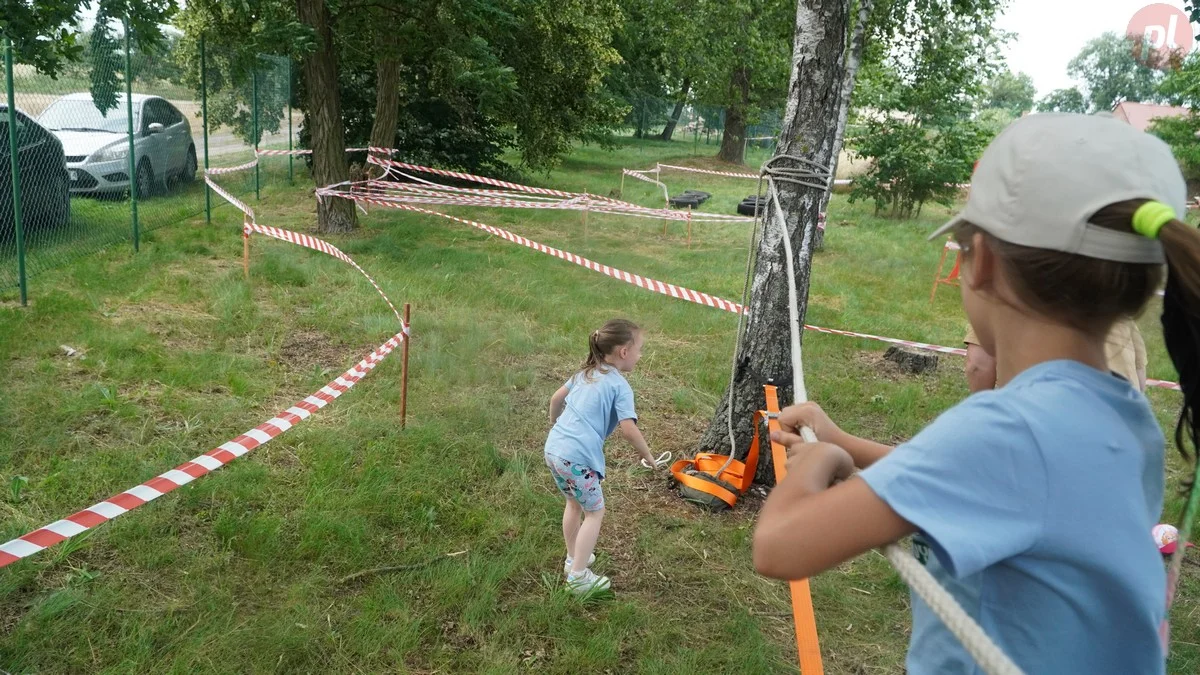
(593, 409)
(1036, 501)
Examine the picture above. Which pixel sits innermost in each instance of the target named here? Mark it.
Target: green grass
(241, 570)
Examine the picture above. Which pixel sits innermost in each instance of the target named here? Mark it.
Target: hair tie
(595, 334)
(1150, 218)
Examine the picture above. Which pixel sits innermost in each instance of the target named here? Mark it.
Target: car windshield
(83, 115)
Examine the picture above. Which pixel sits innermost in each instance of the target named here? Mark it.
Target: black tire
(145, 179)
(684, 201)
(189, 166)
(749, 209)
(699, 194)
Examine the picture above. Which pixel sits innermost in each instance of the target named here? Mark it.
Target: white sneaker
(586, 582)
(571, 562)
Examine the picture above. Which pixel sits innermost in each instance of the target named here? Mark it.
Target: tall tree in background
(1011, 92)
(1069, 100)
(810, 120)
(323, 116)
(45, 34)
(918, 99)
(747, 43)
(1108, 68)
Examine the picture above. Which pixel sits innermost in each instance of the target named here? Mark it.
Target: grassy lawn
(249, 566)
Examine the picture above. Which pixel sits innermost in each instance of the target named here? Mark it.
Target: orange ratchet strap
(802, 607)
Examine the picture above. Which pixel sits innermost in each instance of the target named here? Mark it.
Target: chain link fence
(696, 123)
(116, 146)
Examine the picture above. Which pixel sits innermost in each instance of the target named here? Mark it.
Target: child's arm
(864, 452)
(806, 526)
(557, 402)
(632, 434)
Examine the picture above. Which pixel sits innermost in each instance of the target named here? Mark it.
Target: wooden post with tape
(404, 367)
(807, 646)
(587, 206)
(689, 224)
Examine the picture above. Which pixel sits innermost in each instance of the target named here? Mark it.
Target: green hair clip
(1150, 218)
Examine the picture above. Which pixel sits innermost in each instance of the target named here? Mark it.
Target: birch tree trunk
(853, 61)
(809, 124)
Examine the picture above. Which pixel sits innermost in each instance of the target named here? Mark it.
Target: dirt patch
(177, 327)
(307, 348)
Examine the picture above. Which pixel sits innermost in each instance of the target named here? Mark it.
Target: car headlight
(112, 152)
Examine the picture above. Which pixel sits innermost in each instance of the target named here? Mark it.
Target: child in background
(1030, 503)
(583, 413)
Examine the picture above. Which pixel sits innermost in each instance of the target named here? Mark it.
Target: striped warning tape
(663, 288)
(306, 151)
(101, 512)
(373, 159)
(728, 174)
(60, 530)
(241, 206)
(231, 169)
(318, 245)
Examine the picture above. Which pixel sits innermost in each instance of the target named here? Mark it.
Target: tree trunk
(808, 131)
(733, 142)
(387, 93)
(324, 118)
(669, 130)
(853, 61)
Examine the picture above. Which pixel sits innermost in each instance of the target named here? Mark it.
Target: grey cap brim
(954, 222)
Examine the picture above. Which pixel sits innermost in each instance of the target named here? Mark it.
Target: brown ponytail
(1181, 325)
(612, 335)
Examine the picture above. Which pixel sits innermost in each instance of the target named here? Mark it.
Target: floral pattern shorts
(577, 482)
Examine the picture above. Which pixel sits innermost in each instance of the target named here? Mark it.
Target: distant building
(1139, 115)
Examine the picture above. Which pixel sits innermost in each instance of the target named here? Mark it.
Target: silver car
(96, 143)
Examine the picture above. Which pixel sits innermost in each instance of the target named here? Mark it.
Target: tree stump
(912, 361)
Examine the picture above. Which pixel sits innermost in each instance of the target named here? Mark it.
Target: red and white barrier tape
(433, 194)
(231, 169)
(372, 159)
(40, 539)
(60, 530)
(318, 245)
(239, 204)
(306, 151)
(728, 174)
(672, 290)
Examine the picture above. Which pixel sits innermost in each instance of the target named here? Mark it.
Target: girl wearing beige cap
(1030, 503)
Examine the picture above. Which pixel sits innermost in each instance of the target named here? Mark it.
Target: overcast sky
(1051, 32)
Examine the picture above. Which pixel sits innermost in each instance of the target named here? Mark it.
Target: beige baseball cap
(1043, 177)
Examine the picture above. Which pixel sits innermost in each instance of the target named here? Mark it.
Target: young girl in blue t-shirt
(1032, 503)
(583, 413)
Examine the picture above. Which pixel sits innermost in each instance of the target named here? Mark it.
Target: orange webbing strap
(738, 474)
(802, 607)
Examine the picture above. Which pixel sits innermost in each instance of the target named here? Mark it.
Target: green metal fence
(116, 146)
(697, 123)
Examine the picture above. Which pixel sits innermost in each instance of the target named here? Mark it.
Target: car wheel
(189, 166)
(145, 180)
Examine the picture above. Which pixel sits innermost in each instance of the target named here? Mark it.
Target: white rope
(986, 653)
